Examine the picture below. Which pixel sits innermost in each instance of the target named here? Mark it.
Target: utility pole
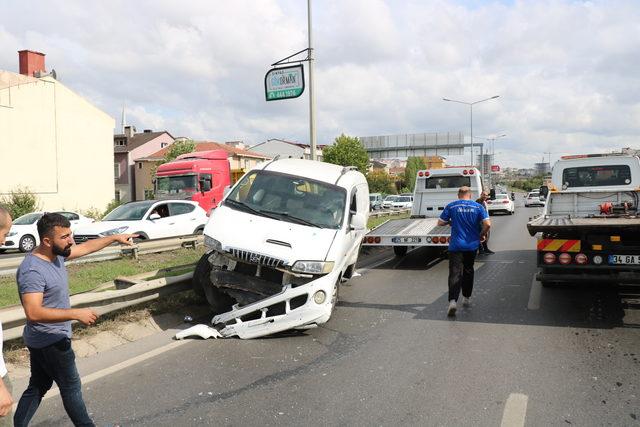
(312, 97)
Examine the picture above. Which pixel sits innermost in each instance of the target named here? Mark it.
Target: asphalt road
(521, 355)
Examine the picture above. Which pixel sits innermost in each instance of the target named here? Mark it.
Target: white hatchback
(533, 199)
(150, 219)
(24, 231)
(502, 203)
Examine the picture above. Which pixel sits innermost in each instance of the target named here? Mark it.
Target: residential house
(54, 142)
(434, 162)
(286, 149)
(128, 147)
(378, 166)
(240, 160)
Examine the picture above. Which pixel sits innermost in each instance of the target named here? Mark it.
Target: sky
(567, 72)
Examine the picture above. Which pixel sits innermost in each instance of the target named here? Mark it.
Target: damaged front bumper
(269, 297)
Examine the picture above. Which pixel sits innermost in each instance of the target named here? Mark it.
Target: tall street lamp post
(471, 104)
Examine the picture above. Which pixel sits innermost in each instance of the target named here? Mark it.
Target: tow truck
(434, 189)
(589, 230)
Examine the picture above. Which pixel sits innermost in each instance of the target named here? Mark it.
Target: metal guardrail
(129, 291)
(389, 212)
(10, 265)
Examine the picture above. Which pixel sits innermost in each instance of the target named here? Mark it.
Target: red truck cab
(199, 176)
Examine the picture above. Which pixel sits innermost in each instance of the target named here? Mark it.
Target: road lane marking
(534, 294)
(515, 410)
(119, 366)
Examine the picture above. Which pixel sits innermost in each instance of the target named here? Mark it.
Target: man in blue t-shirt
(470, 224)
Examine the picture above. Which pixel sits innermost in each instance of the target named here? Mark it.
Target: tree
(380, 182)
(178, 148)
(347, 151)
(414, 164)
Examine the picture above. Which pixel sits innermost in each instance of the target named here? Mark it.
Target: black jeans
(461, 273)
(56, 362)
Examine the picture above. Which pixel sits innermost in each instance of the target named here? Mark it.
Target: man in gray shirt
(44, 292)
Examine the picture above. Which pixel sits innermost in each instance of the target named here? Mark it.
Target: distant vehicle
(150, 219)
(403, 202)
(388, 201)
(199, 176)
(375, 201)
(533, 199)
(502, 203)
(513, 196)
(24, 231)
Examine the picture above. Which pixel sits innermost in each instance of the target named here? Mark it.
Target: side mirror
(358, 222)
(226, 191)
(154, 216)
(205, 185)
(544, 191)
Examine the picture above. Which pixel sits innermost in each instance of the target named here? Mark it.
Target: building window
(148, 194)
(246, 164)
(163, 144)
(117, 196)
(139, 165)
(116, 170)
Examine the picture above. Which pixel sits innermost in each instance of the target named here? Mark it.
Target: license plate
(624, 259)
(406, 240)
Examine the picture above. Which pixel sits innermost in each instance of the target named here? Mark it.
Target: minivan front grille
(256, 258)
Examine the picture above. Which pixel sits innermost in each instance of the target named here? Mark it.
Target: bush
(20, 202)
(380, 182)
(93, 213)
(111, 206)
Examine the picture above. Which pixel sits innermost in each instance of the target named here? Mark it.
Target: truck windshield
(130, 212)
(596, 176)
(438, 182)
(176, 184)
(290, 198)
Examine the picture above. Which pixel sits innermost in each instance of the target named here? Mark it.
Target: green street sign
(284, 83)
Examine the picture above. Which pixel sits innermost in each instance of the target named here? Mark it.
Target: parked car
(150, 219)
(24, 231)
(403, 202)
(533, 199)
(502, 203)
(375, 201)
(388, 201)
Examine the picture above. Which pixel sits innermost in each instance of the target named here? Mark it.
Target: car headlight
(12, 233)
(312, 267)
(114, 231)
(211, 243)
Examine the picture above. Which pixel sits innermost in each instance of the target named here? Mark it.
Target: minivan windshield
(289, 198)
(130, 212)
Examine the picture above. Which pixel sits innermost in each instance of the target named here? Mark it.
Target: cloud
(567, 72)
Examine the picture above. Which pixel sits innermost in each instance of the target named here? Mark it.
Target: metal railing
(388, 212)
(10, 265)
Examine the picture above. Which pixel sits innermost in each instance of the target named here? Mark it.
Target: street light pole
(312, 96)
(471, 104)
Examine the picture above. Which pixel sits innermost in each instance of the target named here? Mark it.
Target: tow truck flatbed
(417, 231)
(545, 224)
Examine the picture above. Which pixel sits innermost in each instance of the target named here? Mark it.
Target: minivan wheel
(27, 243)
(201, 283)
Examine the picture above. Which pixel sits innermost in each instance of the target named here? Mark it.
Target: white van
(279, 245)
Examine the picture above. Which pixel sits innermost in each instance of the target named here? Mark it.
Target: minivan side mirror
(358, 222)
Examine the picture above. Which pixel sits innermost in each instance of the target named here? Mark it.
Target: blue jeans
(56, 362)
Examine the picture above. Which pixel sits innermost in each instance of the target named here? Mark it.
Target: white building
(286, 149)
(53, 141)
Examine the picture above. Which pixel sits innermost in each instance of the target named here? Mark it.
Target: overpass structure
(416, 144)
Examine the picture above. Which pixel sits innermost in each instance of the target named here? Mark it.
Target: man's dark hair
(49, 221)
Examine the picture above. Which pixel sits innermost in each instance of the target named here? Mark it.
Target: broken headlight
(211, 243)
(312, 267)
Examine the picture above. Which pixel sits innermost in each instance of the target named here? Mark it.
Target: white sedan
(403, 202)
(502, 203)
(150, 219)
(533, 199)
(24, 231)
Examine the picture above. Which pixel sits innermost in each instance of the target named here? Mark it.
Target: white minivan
(279, 245)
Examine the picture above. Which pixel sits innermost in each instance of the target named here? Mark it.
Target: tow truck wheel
(400, 251)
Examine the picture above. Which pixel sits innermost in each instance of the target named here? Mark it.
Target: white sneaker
(451, 311)
(466, 302)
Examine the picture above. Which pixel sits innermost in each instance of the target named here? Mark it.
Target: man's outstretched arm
(94, 245)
